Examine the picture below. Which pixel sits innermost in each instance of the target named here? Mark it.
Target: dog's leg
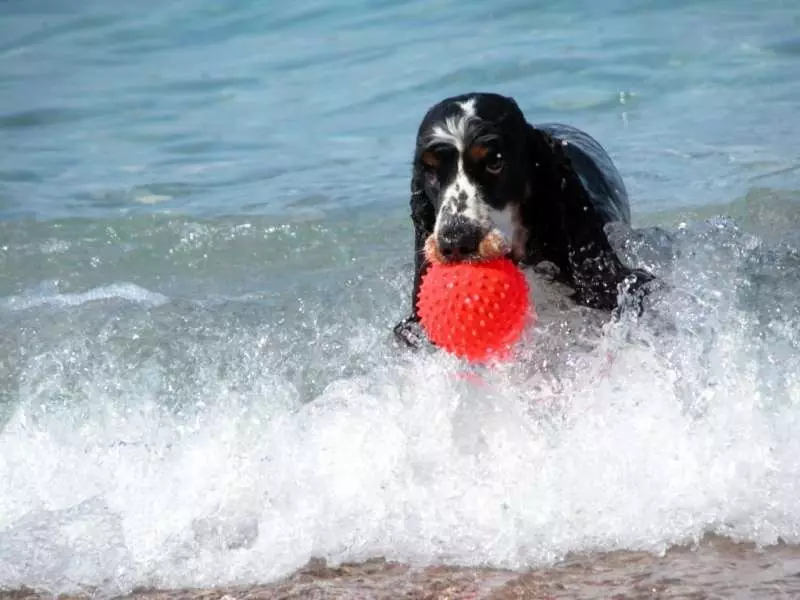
(599, 279)
(408, 331)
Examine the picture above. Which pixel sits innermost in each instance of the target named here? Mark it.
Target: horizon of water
(205, 242)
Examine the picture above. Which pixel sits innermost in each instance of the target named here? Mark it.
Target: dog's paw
(409, 333)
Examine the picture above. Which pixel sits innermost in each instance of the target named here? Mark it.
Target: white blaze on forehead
(461, 198)
(454, 129)
(468, 106)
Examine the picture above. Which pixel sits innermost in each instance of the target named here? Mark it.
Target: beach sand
(717, 568)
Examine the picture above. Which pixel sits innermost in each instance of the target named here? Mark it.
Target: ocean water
(204, 243)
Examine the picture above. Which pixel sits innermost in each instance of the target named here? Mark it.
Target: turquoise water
(214, 109)
(204, 243)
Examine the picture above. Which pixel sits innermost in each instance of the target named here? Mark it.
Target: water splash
(177, 443)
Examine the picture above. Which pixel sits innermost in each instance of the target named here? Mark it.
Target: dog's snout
(459, 238)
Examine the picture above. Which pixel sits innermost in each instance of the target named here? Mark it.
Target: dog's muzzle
(489, 245)
(459, 238)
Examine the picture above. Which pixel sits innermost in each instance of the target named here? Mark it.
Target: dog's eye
(495, 163)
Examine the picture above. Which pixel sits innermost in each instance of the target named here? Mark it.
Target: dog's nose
(460, 238)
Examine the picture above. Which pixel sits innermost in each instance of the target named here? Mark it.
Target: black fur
(564, 186)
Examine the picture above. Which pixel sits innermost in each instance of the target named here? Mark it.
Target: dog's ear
(422, 211)
(513, 103)
(539, 148)
(423, 216)
(543, 166)
(552, 172)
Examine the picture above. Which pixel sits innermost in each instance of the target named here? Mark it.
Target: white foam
(449, 471)
(123, 291)
(644, 436)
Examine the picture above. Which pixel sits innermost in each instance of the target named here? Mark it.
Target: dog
(486, 183)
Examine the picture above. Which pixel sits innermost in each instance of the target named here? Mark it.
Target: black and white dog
(486, 183)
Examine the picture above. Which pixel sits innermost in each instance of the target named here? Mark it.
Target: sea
(205, 242)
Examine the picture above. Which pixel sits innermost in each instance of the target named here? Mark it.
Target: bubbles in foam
(202, 452)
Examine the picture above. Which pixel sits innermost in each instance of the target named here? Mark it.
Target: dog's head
(471, 163)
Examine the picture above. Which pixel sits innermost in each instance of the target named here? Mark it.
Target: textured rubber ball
(475, 310)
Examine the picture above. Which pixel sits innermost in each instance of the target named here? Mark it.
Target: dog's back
(595, 169)
(482, 173)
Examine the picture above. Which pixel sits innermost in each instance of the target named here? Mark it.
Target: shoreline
(714, 568)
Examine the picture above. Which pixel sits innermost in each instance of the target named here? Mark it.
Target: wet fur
(561, 187)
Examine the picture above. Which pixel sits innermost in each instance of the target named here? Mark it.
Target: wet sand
(715, 569)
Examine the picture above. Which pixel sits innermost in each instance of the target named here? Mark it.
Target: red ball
(474, 310)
